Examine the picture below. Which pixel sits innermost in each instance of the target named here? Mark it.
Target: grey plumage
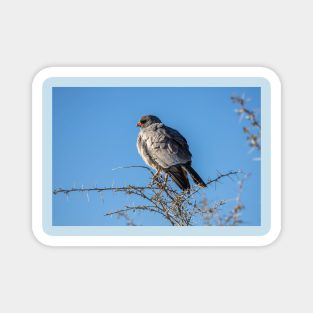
(165, 149)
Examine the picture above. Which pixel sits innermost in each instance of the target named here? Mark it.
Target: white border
(37, 188)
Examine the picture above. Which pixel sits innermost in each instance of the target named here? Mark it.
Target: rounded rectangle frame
(48, 235)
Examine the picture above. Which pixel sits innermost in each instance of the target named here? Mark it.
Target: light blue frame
(158, 230)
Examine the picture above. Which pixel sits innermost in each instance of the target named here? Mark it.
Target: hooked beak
(139, 124)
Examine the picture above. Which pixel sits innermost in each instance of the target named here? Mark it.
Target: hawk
(166, 150)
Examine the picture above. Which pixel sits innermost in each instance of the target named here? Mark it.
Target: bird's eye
(142, 121)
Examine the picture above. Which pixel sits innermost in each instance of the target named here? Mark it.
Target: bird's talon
(156, 175)
(165, 181)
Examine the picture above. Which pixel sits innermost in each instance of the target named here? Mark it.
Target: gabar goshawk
(166, 150)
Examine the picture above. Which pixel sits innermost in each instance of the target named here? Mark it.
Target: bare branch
(179, 208)
(253, 130)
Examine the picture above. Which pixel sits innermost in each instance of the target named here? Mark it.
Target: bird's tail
(179, 176)
(194, 175)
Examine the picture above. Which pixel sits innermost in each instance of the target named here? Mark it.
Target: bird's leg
(155, 176)
(165, 180)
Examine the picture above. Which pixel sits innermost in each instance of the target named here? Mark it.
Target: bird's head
(148, 120)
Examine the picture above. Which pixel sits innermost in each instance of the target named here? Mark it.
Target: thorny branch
(179, 208)
(253, 129)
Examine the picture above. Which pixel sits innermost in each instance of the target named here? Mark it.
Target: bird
(166, 150)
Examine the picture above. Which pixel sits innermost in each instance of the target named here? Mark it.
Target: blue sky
(94, 131)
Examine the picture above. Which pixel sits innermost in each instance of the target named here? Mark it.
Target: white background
(37, 34)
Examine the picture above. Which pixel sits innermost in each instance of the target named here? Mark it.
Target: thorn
(117, 168)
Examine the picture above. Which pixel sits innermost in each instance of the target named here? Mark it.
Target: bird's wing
(166, 146)
(180, 139)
